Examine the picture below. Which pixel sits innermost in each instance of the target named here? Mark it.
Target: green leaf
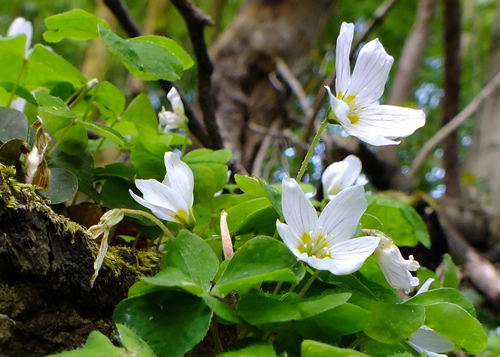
(45, 68)
(189, 264)
(20, 91)
(171, 46)
(13, 125)
(443, 295)
(260, 259)
(146, 164)
(97, 345)
(396, 218)
(55, 113)
(73, 141)
(379, 349)
(458, 325)
(63, 186)
(259, 308)
(110, 100)
(201, 156)
(75, 24)
(11, 151)
(170, 322)
(145, 60)
(393, 323)
(450, 279)
(259, 349)
(274, 196)
(81, 166)
(134, 345)
(317, 349)
(12, 58)
(105, 131)
(209, 178)
(115, 194)
(116, 169)
(250, 185)
(221, 309)
(344, 320)
(254, 216)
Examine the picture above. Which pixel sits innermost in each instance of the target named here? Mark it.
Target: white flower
(171, 199)
(429, 341)
(325, 243)
(394, 267)
(356, 104)
(172, 120)
(340, 175)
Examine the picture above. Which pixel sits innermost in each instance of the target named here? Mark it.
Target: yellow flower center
(350, 100)
(314, 246)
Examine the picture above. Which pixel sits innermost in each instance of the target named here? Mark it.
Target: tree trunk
(46, 262)
(244, 63)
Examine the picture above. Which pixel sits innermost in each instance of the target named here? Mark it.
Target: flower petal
(339, 108)
(426, 339)
(179, 177)
(175, 101)
(349, 256)
(342, 64)
(381, 124)
(290, 237)
(19, 27)
(339, 219)
(340, 175)
(370, 74)
(299, 213)
(425, 286)
(159, 211)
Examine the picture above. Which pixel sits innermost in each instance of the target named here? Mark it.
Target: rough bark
(46, 261)
(244, 59)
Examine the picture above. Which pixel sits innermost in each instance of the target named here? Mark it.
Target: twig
(375, 20)
(196, 127)
(196, 21)
(453, 125)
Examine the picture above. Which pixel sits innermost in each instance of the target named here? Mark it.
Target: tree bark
(244, 57)
(46, 262)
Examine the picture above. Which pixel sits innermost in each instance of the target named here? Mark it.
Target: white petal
(20, 26)
(299, 213)
(159, 211)
(290, 237)
(381, 124)
(339, 108)
(425, 286)
(179, 177)
(395, 268)
(342, 63)
(341, 175)
(370, 73)
(175, 101)
(162, 198)
(426, 339)
(341, 215)
(349, 256)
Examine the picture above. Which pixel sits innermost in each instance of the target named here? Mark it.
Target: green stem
(215, 333)
(277, 288)
(310, 152)
(14, 89)
(135, 212)
(184, 144)
(63, 134)
(309, 283)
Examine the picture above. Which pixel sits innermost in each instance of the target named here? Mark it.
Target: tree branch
(196, 21)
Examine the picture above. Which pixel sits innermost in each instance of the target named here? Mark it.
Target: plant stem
(309, 283)
(135, 212)
(215, 333)
(14, 88)
(310, 152)
(184, 144)
(63, 134)
(277, 288)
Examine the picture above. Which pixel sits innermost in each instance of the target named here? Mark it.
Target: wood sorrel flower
(325, 243)
(168, 120)
(395, 268)
(356, 104)
(340, 175)
(171, 199)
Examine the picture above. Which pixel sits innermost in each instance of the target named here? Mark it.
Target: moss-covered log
(46, 262)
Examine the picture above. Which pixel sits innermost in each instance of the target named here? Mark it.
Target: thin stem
(14, 89)
(310, 152)
(63, 134)
(184, 144)
(215, 333)
(277, 288)
(135, 212)
(309, 283)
